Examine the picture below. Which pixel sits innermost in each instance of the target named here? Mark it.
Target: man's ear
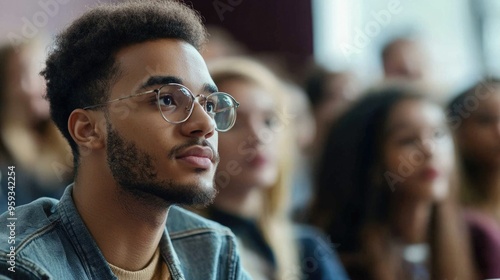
(86, 130)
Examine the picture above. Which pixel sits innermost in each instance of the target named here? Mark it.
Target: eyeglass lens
(225, 112)
(176, 102)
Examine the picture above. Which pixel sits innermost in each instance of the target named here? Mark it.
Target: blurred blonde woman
(29, 140)
(253, 180)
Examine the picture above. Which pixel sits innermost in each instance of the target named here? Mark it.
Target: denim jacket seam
(26, 264)
(30, 267)
(231, 259)
(174, 270)
(224, 234)
(37, 234)
(170, 257)
(67, 211)
(198, 231)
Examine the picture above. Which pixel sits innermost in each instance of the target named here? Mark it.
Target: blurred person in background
(331, 94)
(385, 191)
(253, 179)
(404, 58)
(221, 44)
(304, 132)
(475, 114)
(29, 139)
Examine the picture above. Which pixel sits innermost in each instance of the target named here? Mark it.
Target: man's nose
(200, 123)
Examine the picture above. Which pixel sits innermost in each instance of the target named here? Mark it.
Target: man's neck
(126, 230)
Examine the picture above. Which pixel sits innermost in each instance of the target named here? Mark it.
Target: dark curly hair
(472, 192)
(347, 196)
(81, 65)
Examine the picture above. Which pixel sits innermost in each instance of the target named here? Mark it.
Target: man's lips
(197, 156)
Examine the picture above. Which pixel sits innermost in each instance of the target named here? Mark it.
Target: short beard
(136, 174)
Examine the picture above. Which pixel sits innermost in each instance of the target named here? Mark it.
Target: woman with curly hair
(475, 114)
(385, 190)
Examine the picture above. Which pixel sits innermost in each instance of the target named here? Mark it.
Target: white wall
(21, 19)
(349, 34)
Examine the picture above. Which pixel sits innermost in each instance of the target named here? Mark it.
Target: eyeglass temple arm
(118, 99)
(236, 105)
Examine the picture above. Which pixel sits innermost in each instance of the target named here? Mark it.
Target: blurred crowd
(29, 141)
(322, 176)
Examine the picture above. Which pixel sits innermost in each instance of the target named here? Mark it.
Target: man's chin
(205, 193)
(173, 193)
(201, 198)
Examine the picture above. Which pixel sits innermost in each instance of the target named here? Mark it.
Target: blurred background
(458, 36)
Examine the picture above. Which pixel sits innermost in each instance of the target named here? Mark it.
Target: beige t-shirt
(155, 270)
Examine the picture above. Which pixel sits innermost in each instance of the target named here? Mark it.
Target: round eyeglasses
(176, 103)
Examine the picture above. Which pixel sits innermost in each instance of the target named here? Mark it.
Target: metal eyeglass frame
(193, 97)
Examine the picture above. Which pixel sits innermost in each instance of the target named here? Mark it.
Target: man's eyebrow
(211, 88)
(160, 80)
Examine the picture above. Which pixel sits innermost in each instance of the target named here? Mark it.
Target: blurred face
(149, 157)
(249, 151)
(479, 134)
(26, 87)
(418, 150)
(340, 91)
(406, 59)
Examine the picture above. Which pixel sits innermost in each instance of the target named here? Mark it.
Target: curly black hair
(350, 191)
(81, 65)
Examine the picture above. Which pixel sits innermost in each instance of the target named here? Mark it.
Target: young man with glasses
(130, 91)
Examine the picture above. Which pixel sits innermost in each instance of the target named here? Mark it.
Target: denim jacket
(52, 242)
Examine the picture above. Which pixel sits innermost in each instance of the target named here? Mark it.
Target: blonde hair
(37, 147)
(273, 222)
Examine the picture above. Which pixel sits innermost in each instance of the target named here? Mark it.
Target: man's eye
(166, 100)
(210, 107)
